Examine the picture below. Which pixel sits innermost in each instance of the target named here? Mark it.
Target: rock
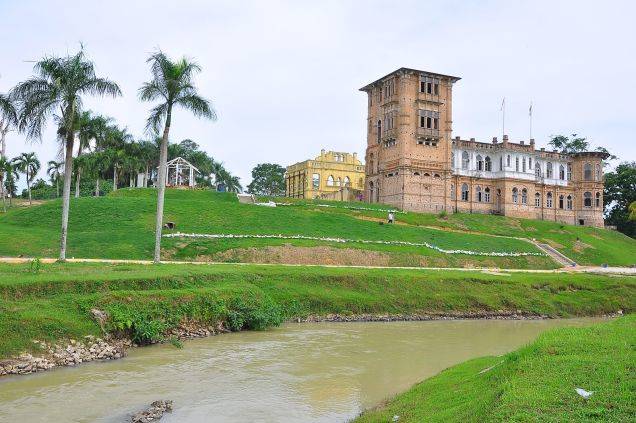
(153, 413)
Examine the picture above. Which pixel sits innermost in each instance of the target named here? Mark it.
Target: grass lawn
(54, 301)
(535, 383)
(121, 226)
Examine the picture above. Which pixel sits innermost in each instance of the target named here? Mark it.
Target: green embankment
(53, 302)
(535, 383)
(121, 226)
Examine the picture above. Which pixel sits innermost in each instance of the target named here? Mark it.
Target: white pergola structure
(181, 173)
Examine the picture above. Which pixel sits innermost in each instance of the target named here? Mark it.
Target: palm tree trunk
(161, 181)
(97, 187)
(2, 193)
(77, 183)
(114, 178)
(29, 187)
(57, 186)
(66, 193)
(146, 177)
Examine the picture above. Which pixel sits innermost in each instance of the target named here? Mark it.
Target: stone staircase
(555, 254)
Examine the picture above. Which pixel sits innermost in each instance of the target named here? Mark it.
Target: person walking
(391, 217)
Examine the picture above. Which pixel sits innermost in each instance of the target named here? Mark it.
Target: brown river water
(308, 372)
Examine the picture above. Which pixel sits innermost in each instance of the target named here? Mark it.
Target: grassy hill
(121, 226)
(535, 383)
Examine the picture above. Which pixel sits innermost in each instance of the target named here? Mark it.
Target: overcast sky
(284, 75)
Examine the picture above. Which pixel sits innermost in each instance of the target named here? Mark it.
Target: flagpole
(530, 112)
(503, 117)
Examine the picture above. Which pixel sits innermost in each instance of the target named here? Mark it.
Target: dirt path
(495, 271)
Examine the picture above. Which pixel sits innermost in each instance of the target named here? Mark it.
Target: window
(436, 89)
(548, 201)
(315, 181)
(479, 196)
(598, 172)
(524, 164)
(517, 164)
(429, 119)
(488, 164)
(338, 182)
(549, 171)
(537, 170)
(370, 191)
(347, 181)
(452, 159)
(530, 163)
(330, 181)
(501, 163)
(508, 161)
(515, 195)
(465, 160)
(562, 172)
(379, 131)
(464, 192)
(587, 172)
(487, 195)
(598, 199)
(561, 201)
(480, 163)
(452, 191)
(569, 172)
(537, 200)
(524, 196)
(587, 199)
(569, 202)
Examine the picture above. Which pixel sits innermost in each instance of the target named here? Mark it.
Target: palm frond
(156, 118)
(199, 106)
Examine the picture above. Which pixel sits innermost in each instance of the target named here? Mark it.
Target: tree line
(106, 152)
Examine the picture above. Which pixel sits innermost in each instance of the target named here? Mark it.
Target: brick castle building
(413, 163)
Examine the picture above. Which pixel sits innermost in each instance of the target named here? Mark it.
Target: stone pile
(153, 413)
(189, 330)
(488, 315)
(76, 352)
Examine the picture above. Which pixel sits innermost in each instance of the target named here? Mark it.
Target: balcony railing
(427, 133)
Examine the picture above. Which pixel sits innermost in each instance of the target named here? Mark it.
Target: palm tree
(172, 85)
(60, 84)
(8, 176)
(28, 164)
(8, 120)
(54, 171)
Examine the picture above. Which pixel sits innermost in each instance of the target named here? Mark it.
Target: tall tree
(8, 120)
(574, 144)
(8, 174)
(59, 84)
(5, 168)
(54, 170)
(267, 179)
(620, 193)
(172, 85)
(28, 164)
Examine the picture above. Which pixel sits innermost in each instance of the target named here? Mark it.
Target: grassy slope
(55, 302)
(535, 383)
(121, 226)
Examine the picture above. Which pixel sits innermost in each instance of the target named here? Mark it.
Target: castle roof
(410, 70)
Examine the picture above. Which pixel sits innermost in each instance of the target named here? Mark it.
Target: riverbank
(537, 382)
(54, 303)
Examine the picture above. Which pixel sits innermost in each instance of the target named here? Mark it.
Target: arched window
(569, 172)
(379, 131)
(524, 196)
(330, 181)
(338, 182)
(587, 172)
(548, 201)
(347, 181)
(487, 195)
(371, 192)
(465, 160)
(549, 171)
(562, 172)
(561, 201)
(569, 202)
(416, 173)
(598, 199)
(517, 164)
(452, 192)
(587, 199)
(524, 165)
(452, 159)
(464, 192)
(537, 200)
(515, 195)
(529, 162)
(436, 175)
(315, 180)
(508, 161)
(479, 196)
(488, 164)
(537, 170)
(598, 172)
(501, 163)
(480, 162)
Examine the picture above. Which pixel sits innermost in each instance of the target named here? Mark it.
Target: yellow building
(332, 175)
